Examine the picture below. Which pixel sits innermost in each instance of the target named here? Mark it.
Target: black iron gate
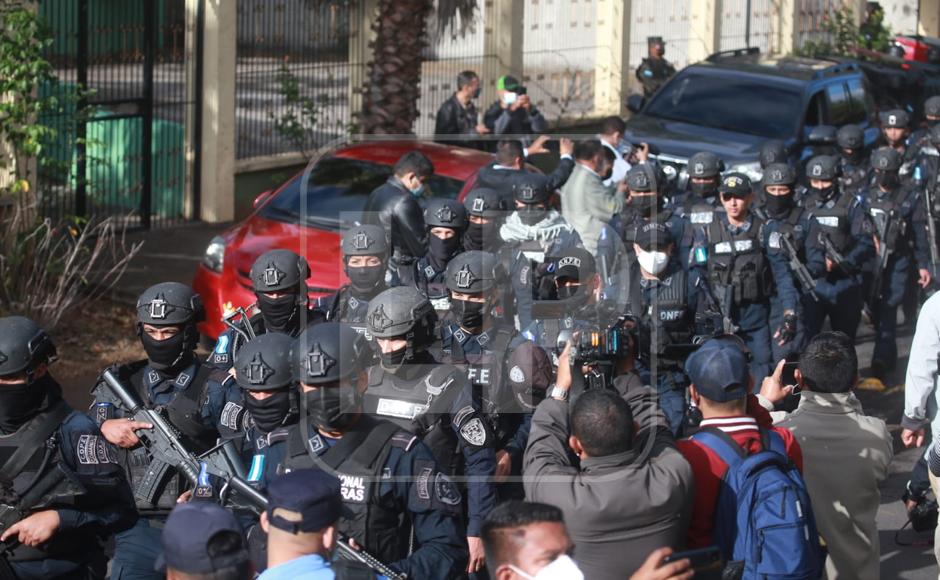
(120, 147)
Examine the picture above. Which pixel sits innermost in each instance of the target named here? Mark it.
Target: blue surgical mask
(417, 192)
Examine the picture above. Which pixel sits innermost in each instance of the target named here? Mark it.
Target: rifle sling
(37, 431)
(365, 444)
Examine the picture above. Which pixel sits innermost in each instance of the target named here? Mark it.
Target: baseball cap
(652, 236)
(189, 529)
(312, 494)
(895, 118)
(508, 83)
(577, 264)
(719, 371)
(737, 184)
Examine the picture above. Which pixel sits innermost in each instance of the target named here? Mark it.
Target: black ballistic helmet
(402, 311)
(279, 271)
(472, 272)
(704, 165)
(263, 363)
(822, 167)
(932, 106)
(823, 135)
(850, 137)
(532, 188)
(773, 151)
(170, 303)
(328, 352)
(644, 177)
(23, 346)
(485, 203)
(441, 212)
(365, 240)
(885, 159)
(779, 174)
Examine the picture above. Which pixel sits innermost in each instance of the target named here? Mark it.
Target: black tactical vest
(184, 413)
(433, 284)
(377, 524)
(833, 220)
(880, 208)
(344, 307)
(738, 260)
(421, 406)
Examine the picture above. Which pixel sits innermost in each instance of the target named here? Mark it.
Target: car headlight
(752, 170)
(215, 254)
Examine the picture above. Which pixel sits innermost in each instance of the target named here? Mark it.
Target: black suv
(733, 101)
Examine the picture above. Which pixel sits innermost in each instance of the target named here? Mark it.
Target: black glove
(787, 330)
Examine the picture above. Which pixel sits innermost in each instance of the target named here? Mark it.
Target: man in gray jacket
(845, 452)
(586, 203)
(632, 492)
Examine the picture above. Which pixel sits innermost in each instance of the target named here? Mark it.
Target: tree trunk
(390, 95)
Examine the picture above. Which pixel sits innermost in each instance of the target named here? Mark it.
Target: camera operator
(629, 491)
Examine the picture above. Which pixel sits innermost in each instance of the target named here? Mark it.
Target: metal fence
(810, 16)
(120, 134)
(287, 44)
(669, 19)
(746, 23)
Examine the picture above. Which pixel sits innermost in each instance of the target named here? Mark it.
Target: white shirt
(621, 166)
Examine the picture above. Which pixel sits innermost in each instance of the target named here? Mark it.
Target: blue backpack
(764, 517)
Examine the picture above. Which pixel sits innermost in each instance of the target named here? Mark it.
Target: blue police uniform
(844, 220)
(312, 567)
(735, 257)
(194, 402)
(794, 225)
(98, 506)
(909, 252)
(386, 472)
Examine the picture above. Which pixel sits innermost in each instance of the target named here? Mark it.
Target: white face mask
(509, 98)
(561, 568)
(653, 262)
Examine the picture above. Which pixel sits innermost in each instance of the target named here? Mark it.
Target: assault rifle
(886, 240)
(807, 283)
(834, 255)
(168, 452)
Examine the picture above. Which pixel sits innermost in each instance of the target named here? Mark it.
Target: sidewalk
(168, 255)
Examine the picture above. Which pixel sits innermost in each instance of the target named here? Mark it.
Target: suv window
(846, 103)
(861, 100)
(338, 188)
(730, 102)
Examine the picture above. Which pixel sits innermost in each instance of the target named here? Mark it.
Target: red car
(310, 224)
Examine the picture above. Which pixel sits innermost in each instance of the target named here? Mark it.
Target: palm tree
(390, 94)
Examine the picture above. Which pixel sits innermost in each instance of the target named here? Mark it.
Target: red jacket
(709, 469)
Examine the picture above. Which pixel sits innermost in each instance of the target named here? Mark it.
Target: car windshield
(339, 187)
(729, 102)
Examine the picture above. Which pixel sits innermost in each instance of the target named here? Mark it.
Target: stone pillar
(612, 57)
(786, 23)
(217, 188)
(704, 30)
(503, 31)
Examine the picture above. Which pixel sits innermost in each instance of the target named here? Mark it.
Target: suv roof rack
(749, 51)
(836, 69)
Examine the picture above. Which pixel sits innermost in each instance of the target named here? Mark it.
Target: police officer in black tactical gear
(265, 405)
(365, 259)
(431, 400)
(397, 503)
(474, 340)
(920, 138)
(897, 213)
(646, 203)
(446, 220)
(743, 273)
(171, 378)
(532, 232)
(896, 134)
(853, 163)
(927, 180)
(279, 281)
(664, 298)
(840, 221)
(486, 212)
(784, 230)
(59, 479)
(700, 202)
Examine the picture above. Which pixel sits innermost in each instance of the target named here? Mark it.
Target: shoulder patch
(231, 416)
(221, 346)
(94, 450)
(445, 491)
(474, 432)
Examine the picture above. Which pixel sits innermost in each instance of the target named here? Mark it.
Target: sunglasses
(730, 196)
